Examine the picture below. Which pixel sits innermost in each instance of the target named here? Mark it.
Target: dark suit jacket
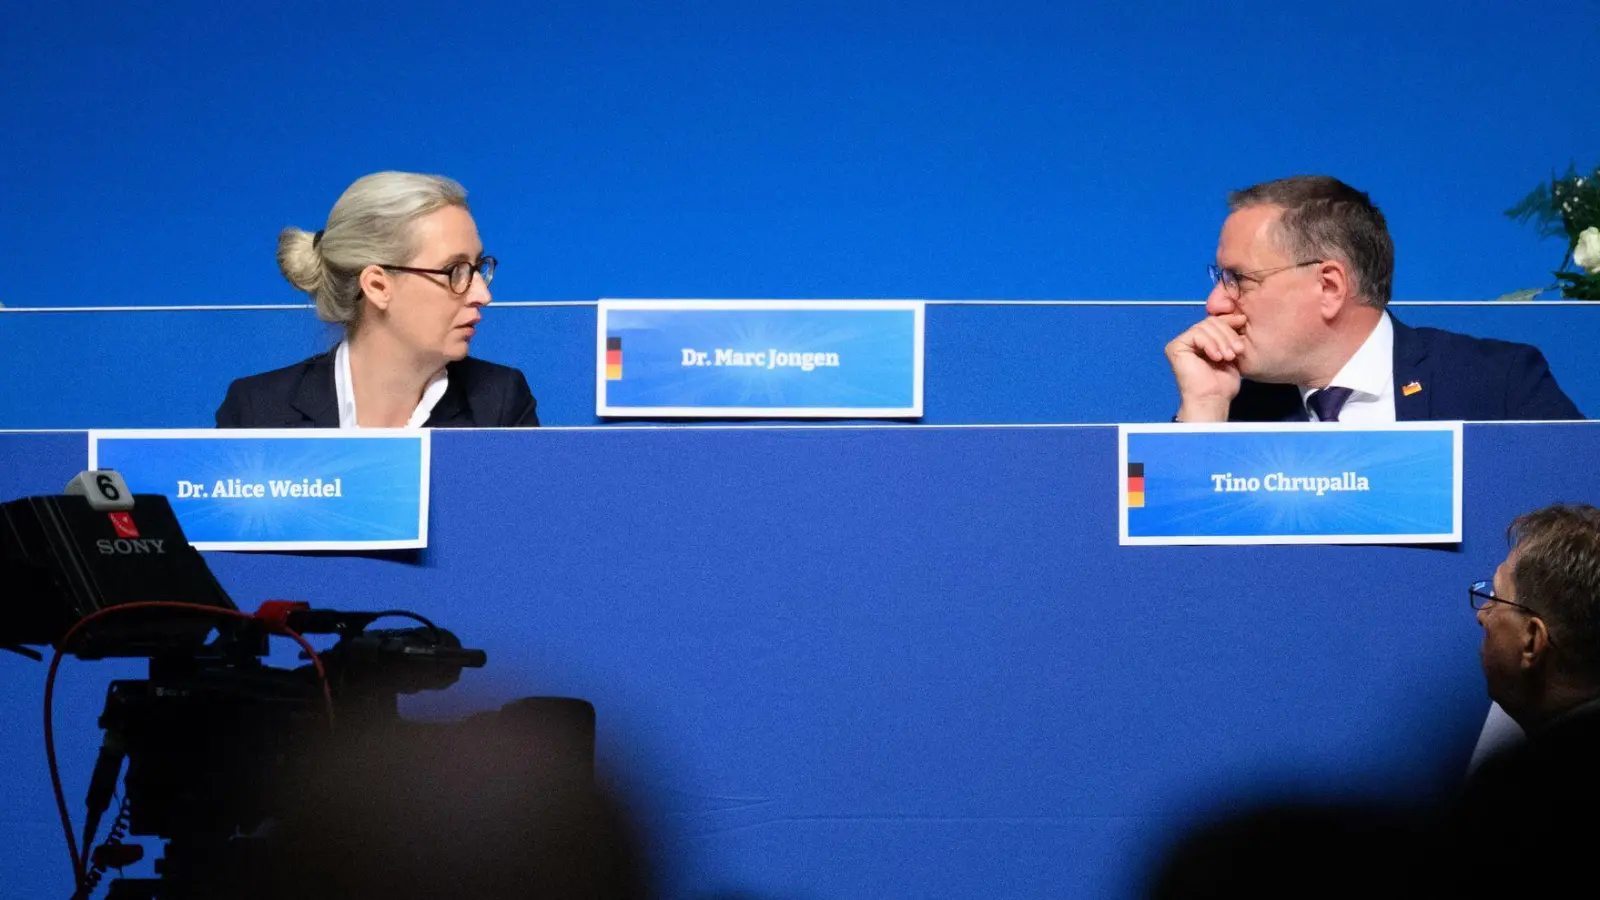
(481, 395)
(1468, 378)
(1533, 801)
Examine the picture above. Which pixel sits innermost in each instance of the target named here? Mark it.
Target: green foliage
(1563, 208)
(1521, 296)
(1539, 210)
(1578, 286)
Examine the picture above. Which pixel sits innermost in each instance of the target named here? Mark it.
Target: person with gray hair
(1526, 820)
(1297, 327)
(399, 265)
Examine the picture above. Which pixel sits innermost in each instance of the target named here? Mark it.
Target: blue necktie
(1327, 402)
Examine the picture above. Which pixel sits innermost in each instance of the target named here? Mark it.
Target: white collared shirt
(1369, 374)
(345, 387)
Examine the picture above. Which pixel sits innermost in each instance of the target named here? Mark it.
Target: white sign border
(603, 409)
(1123, 538)
(425, 436)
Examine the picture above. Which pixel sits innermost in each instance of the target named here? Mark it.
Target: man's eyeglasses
(1482, 596)
(1231, 279)
(459, 273)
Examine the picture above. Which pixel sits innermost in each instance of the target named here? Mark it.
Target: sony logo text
(130, 547)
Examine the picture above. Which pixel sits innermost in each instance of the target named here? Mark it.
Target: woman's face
(422, 312)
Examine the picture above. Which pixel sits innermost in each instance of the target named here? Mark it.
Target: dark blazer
(1461, 377)
(481, 395)
(1549, 786)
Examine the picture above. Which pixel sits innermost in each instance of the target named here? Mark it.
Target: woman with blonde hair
(400, 266)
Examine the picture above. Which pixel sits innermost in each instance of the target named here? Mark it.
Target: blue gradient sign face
(759, 358)
(280, 489)
(1291, 483)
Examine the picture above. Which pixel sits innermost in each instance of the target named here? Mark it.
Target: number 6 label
(104, 489)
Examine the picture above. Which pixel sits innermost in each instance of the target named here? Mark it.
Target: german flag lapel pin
(1414, 387)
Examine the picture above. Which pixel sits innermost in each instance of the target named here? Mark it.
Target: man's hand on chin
(1204, 362)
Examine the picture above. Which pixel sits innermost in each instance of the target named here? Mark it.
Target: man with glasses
(1539, 801)
(1297, 329)
(1541, 620)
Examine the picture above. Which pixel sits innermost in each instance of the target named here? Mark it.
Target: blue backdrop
(938, 656)
(712, 148)
(890, 662)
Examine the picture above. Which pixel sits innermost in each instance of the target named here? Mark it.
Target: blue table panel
(894, 662)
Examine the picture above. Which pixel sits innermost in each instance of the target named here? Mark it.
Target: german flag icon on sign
(1135, 485)
(613, 359)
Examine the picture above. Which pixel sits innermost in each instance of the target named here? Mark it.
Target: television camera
(98, 573)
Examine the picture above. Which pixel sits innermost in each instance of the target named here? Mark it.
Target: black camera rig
(99, 573)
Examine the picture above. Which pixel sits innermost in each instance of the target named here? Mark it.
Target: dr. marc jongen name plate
(759, 358)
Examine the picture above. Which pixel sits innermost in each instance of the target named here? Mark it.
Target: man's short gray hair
(1324, 218)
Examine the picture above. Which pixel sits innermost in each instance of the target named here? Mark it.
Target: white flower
(1587, 253)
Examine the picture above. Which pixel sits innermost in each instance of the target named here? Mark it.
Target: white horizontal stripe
(863, 426)
(254, 307)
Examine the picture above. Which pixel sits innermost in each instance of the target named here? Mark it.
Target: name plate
(759, 358)
(280, 489)
(1290, 483)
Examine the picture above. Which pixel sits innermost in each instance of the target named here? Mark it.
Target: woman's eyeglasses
(459, 273)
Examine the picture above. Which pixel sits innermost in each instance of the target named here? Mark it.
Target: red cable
(80, 862)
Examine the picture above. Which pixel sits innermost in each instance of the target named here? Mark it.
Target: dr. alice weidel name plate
(280, 489)
(1290, 483)
(759, 358)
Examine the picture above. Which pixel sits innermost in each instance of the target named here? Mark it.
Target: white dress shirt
(1500, 732)
(344, 387)
(1369, 374)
